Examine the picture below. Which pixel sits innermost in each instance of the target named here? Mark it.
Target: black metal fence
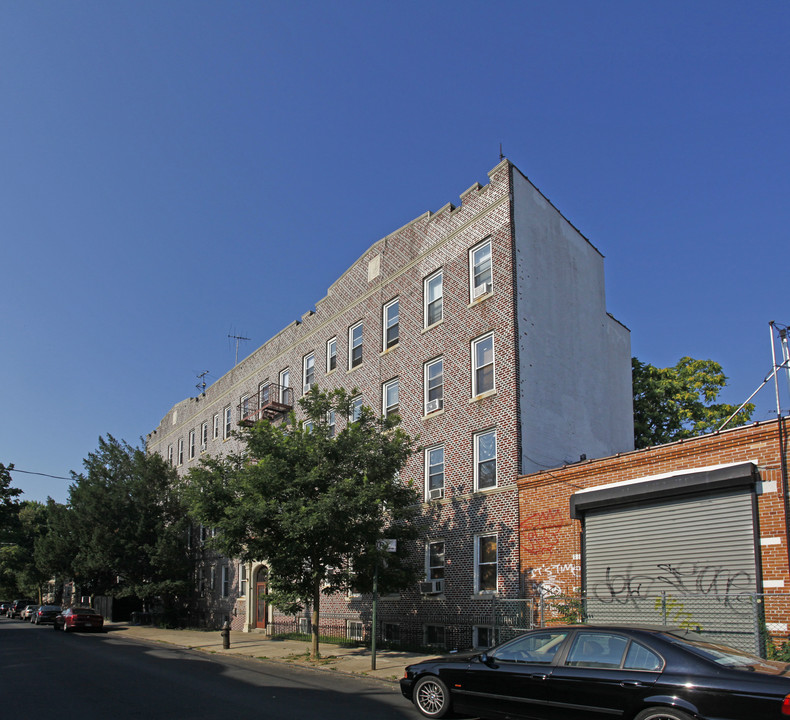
(757, 623)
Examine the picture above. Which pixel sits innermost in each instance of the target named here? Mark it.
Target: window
(242, 580)
(308, 372)
(434, 635)
(434, 472)
(227, 414)
(485, 564)
(390, 632)
(597, 650)
(483, 365)
(191, 444)
(304, 625)
(480, 269)
(355, 630)
(435, 561)
(244, 406)
(485, 460)
(264, 394)
(432, 292)
(216, 426)
(204, 436)
(170, 455)
(354, 345)
(434, 385)
(539, 647)
(307, 425)
(330, 423)
(390, 397)
(225, 581)
(285, 385)
(390, 324)
(331, 354)
(356, 408)
(483, 637)
(180, 451)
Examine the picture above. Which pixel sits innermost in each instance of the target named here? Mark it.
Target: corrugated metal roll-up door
(686, 561)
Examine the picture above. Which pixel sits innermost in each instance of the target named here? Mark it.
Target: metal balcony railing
(267, 403)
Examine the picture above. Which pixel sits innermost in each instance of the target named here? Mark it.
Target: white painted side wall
(575, 360)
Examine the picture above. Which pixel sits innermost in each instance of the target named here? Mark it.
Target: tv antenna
(237, 338)
(201, 384)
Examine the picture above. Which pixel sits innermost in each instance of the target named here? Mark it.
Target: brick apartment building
(690, 533)
(485, 327)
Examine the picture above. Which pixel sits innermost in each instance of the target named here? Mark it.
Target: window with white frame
(355, 630)
(242, 579)
(480, 277)
(390, 397)
(227, 414)
(485, 459)
(356, 408)
(486, 563)
(331, 354)
(433, 298)
(216, 426)
(180, 451)
(191, 444)
(308, 372)
(434, 472)
(483, 364)
(354, 345)
(308, 426)
(434, 561)
(170, 455)
(204, 436)
(285, 385)
(304, 625)
(331, 424)
(225, 581)
(264, 393)
(434, 385)
(390, 324)
(245, 406)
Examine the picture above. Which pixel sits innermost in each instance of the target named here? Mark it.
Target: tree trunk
(314, 653)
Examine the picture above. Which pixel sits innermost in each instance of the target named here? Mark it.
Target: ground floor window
(355, 630)
(390, 632)
(483, 637)
(435, 635)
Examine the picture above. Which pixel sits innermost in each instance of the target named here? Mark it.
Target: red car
(79, 618)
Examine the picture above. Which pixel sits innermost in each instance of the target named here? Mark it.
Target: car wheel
(659, 713)
(432, 697)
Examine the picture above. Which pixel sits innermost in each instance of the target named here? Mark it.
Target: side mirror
(486, 659)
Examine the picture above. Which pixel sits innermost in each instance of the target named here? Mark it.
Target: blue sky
(172, 172)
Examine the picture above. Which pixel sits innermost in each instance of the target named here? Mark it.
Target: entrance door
(261, 591)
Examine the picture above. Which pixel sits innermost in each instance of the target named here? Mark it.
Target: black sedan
(46, 614)
(585, 671)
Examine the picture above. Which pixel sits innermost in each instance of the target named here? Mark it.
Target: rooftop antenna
(201, 385)
(501, 156)
(237, 338)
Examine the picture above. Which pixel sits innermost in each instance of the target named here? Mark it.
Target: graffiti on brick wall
(540, 531)
(550, 579)
(697, 579)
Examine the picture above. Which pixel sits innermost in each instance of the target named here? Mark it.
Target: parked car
(79, 618)
(4, 607)
(587, 671)
(27, 612)
(18, 606)
(46, 614)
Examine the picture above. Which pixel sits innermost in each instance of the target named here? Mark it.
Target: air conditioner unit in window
(433, 406)
(436, 494)
(431, 587)
(481, 290)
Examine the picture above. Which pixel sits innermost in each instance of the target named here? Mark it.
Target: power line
(30, 472)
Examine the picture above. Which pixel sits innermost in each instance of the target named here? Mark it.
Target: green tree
(679, 402)
(313, 505)
(124, 530)
(9, 505)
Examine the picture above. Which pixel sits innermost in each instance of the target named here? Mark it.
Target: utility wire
(30, 472)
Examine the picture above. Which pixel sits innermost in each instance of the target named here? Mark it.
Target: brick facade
(396, 267)
(551, 542)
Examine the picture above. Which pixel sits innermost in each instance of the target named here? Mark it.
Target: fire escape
(269, 402)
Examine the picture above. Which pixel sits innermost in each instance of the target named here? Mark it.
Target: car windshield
(730, 657)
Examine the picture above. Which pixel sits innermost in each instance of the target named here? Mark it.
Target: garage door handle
(539, 677)
(631, 684)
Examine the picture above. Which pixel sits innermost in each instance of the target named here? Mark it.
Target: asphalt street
(53, 674)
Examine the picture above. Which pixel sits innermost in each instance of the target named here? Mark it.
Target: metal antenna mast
(201, 385)
(237, 338)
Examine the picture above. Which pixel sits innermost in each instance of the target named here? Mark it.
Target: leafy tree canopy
(124, 530)
(679, 402)
(311, 504)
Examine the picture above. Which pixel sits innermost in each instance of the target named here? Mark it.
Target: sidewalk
(350, 660)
